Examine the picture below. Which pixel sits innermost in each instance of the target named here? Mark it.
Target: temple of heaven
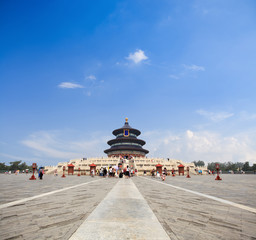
(126, 143)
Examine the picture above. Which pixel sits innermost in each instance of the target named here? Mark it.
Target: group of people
(17, 171)
(106, 172)
(115, 172)
(129, 172)
(40, 172)
(199, 171)
(157, 174)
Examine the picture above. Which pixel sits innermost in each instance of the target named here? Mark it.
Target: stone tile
(55, 216)
(193, 217)
(182, 214)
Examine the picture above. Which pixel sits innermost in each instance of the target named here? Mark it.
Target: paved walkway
(123, 214)
(111, 208)
(186, 214)
(53, 215)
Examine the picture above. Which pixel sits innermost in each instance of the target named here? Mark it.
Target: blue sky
(183, 72)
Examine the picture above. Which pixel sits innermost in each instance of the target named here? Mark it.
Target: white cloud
(173, 76)
(194, 67)
(247, 116)
(46, 144)
(60, 145)
(69, 85)
(137, 56)
(204, 145)
(91, 77)
(190, 134)
(215, 116)
(186, 145)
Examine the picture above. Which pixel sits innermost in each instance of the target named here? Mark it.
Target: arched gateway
(126, 143)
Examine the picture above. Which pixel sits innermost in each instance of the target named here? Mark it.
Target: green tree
(199, 163)
(3, 167)
(23, 166)
(246, 167)
(230, 166)
(239, 166)
(211, 166)
(14, 165)
(254, 167)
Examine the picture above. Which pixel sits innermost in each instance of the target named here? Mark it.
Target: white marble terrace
(139, 163)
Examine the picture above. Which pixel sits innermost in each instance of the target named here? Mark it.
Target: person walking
(41, 174)
(127, 173)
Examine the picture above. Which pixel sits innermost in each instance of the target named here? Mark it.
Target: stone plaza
(140, 207)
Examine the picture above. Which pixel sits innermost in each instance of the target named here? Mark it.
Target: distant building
(126, 144)
(125, 149)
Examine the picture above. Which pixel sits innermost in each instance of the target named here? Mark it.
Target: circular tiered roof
(126, 142)
(126, 126)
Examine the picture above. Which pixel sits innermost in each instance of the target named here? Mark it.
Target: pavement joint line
(141, 223)
(250, 209)
(5, 205)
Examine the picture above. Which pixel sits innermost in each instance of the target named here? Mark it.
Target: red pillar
(188, 173)
(173, 172)
(218, 169)
(34, 168)
(78, 172)
(63, 175)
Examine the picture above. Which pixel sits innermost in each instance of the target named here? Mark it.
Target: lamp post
(218, 169)
(173, 173)
(188, 173)
(63, 175)
(34, 168)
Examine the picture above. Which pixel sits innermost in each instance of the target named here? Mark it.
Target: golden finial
(126, 119)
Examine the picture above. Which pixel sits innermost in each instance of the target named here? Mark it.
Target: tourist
(110, 172)
(163, 177)
(41, 174)
(127, 173)
(165, 171)
(104, 172)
